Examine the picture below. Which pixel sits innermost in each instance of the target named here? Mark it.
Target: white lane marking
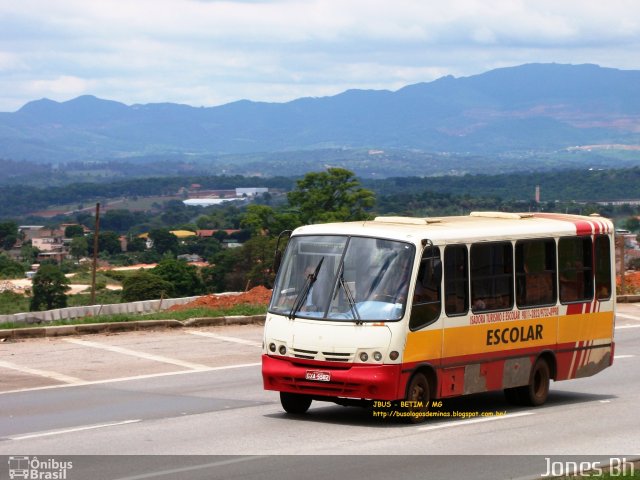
(619, 327)
(136, 377)
(224, 338)
(41, 373)
(71, 430)
(134, 353)
(220, 463)
(631, 317)
(616, 357)
(461, 423)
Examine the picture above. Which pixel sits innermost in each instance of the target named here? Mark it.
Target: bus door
(424, 338)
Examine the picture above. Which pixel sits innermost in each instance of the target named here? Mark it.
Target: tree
(10, 268)
(225, 274)
(181, 275)
(136, 244)
(257, 261)
(235, 268)
(176, 212)
(264, 220)
(331, 196)
(205, 247)
(121, 220)
(163, 241)
(145, 286)
(73, 231)
(8, 234)
(108, 242)
(632, 224)
(49, 287)
(79, 247)
(28, 253)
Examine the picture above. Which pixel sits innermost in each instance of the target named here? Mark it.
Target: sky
(210, 52)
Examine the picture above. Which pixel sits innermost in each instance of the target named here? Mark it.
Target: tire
(418, 391)
(537, 391)
(295, 403)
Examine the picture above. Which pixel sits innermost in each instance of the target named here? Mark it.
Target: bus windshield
(343, 278)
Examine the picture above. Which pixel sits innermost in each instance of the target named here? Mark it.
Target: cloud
(206, 52)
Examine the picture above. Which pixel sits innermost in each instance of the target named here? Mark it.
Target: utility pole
(96, 233)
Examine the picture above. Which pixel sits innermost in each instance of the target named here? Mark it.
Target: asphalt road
(190, 404)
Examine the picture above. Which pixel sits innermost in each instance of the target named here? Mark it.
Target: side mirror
(277, 259)
(277, 256)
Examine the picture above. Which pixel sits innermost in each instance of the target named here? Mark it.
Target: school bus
(403, 310)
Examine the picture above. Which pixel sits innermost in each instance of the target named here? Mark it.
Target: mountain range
(529, 107)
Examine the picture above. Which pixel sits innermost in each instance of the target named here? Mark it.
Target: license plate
(318, 376)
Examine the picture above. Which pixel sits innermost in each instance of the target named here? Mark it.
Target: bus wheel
(536, 392)
(418, 396)
(295, 402)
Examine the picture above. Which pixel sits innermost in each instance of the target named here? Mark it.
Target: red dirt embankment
(256, 296)
(631, 279)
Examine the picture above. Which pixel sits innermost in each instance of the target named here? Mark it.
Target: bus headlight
(272, 347)
(394, 355)
(377, 356)
(364, 357)
(282, 350)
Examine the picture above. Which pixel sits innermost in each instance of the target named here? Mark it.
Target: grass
(200, 312)
(140, 203)
(85, 278)
(103, 297)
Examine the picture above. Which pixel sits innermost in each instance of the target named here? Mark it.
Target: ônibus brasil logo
(33, 468)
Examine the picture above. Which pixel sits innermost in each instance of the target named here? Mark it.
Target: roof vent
(408, 220)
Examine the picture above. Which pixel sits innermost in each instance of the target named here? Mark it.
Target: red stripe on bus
(583, 227)
(575, 308)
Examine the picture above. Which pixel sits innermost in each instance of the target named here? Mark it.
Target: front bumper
(348, 380)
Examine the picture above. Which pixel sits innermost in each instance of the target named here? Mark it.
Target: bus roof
(473, 227)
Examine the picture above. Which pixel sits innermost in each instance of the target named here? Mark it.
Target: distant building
(190, 257)
(48, 244)
(211, 233)
(207, 202)
(56, 256)
(183, 233)
(250, 192)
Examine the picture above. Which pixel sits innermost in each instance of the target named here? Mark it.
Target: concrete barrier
(145, 306)
(628, 298)
(110, 327)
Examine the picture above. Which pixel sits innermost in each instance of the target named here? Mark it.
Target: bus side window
(535, 273)
(575, 260)
(426, 296)
(603, 267)
(456, 280)
(491, 276)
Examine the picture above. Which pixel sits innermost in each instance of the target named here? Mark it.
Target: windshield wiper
(349, 295)
(302, 296)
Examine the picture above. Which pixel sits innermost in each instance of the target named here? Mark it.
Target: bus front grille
(327, 356)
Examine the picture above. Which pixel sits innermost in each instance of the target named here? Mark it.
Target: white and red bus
(417, 309)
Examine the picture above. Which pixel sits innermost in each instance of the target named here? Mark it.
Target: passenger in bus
(479, 304)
